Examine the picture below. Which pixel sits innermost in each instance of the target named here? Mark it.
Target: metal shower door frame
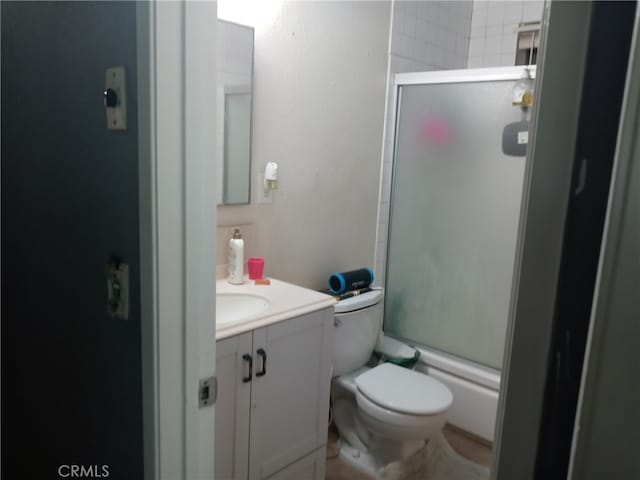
(473, 75)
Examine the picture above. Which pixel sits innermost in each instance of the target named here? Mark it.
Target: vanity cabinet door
(232, 407)
(290, 397)
(311, 467)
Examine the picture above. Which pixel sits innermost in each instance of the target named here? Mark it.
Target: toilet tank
(358, 322)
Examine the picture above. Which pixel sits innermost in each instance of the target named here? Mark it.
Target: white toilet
(386, 413)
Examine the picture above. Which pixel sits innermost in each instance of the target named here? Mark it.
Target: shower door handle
(263, 354)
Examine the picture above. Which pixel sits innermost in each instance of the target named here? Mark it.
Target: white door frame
(545, 201)
(176, 86)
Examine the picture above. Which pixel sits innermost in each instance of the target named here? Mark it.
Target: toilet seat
(391, 417)
(394, 392)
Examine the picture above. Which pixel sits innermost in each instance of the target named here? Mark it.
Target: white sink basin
(236, 307)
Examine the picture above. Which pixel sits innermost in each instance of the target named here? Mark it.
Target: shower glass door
(455, 207)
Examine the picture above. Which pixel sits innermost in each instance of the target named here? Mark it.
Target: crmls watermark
(83, 471)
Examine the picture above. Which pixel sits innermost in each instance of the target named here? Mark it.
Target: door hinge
(207, 392)
(117, 274)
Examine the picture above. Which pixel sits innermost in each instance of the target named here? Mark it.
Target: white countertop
(285, 301)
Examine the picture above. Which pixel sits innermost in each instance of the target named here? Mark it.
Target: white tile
(432, 34)
(442, 37)
(409, 65)
(421, 29)
(479, 19)
(509, 42)
(450, 61)
(398, 64)
(459, 24)
(512, 13)
(400, 5)
(475, 62)
(477, 32)
(412, 8)
(511, 28)
(426, 53)
(438, 58)
(480, 4)
(436, 55)
(451, 42)
(492, 60)
(494, 31)
(532, 11)
(443, 14)
(431, 11)
(479, 13)
(407, 46)
(423, 10)
(508, 59)
(493, 45)
(495, 13)
(417, 66)
(462, 46)
(417, 50)
(410, 26)
(456, 8)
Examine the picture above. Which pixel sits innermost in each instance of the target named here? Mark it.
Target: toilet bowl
(385, 413)
(402, 404)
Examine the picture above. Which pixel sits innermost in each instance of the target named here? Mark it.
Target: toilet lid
(404, 390)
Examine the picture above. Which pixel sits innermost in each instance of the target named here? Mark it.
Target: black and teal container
(352, 280)
(393, 351)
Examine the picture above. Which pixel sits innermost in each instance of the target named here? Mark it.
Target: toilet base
(361, 461)
(374, 465)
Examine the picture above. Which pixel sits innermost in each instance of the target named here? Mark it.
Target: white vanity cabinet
(232, 407)
(271, 423)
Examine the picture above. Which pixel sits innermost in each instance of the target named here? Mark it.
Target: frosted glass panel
(454, 218)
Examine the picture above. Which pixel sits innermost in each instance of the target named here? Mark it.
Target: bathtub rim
(454, 365)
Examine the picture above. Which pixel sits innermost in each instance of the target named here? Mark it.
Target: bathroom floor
(463, 443)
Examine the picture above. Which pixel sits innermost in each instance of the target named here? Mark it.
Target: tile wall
(494, 30)
(424, 36)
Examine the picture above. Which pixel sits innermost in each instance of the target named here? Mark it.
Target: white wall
(424, 36)
(320, 74)
(494, 31)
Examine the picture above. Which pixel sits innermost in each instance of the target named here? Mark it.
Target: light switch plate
(117, 116)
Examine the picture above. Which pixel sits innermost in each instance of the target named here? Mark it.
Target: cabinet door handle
(249, 359)
(263, 354)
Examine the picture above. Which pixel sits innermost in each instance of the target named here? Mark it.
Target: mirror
(234, 51)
